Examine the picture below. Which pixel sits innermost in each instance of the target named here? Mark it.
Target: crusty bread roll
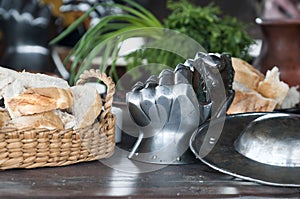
(7, 76)
(48, 120)
(246, 100)
(4, 117)
(272, 87)
(246, 73)
(87, 105)
(67, 119)
(267, 89)
(21, 83)
(42, 101)
(32, 80)
(292, 98)
(38, 100)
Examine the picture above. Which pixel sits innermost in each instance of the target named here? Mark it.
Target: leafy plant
(205, 25)
(105, 37)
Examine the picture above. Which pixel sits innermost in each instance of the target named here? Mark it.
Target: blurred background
(27, 26)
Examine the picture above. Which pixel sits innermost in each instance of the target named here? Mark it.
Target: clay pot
(281, 48)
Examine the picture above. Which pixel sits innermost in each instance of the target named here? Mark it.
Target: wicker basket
(31, 148)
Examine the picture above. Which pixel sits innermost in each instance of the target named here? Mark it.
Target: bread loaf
(292, 98)
(272, 87)
(67, 119)
(246, 73)
(246, 100)
(42, 101)
(48, 120)
(4, 117)
(18, 90)
(7, 76)
(30, 80)
(263, 91)
(87, 105)
(38, 100)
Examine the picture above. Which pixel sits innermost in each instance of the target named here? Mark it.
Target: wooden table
(96, 180)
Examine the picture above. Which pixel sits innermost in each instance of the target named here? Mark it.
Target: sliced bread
(246, 73)
(246, 100)
(272, 87)
(292, 98)
(24, 81)
(38, 100)
(87, 105)
(48, 120)
(67, 119)
(7, 76)
(4, 117)
(31, 80)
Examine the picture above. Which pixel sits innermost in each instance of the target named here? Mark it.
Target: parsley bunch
(205, 25)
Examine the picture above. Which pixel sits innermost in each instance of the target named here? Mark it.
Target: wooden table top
(97, 180)
(119, 177)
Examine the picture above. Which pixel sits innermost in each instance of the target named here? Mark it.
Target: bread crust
(272, 87)
(7, 76)
(48, 120)
(42, 101)
(250, 102)
(87, 105)
(38, 100)
(246, 73)
(4, 117)
(267, 92)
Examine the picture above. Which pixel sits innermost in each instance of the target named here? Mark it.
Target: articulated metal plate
(169, 108)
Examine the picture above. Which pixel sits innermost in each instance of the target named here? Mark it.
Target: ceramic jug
(281, 48)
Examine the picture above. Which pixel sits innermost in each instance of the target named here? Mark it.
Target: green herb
(105, 37)
(204, 24)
